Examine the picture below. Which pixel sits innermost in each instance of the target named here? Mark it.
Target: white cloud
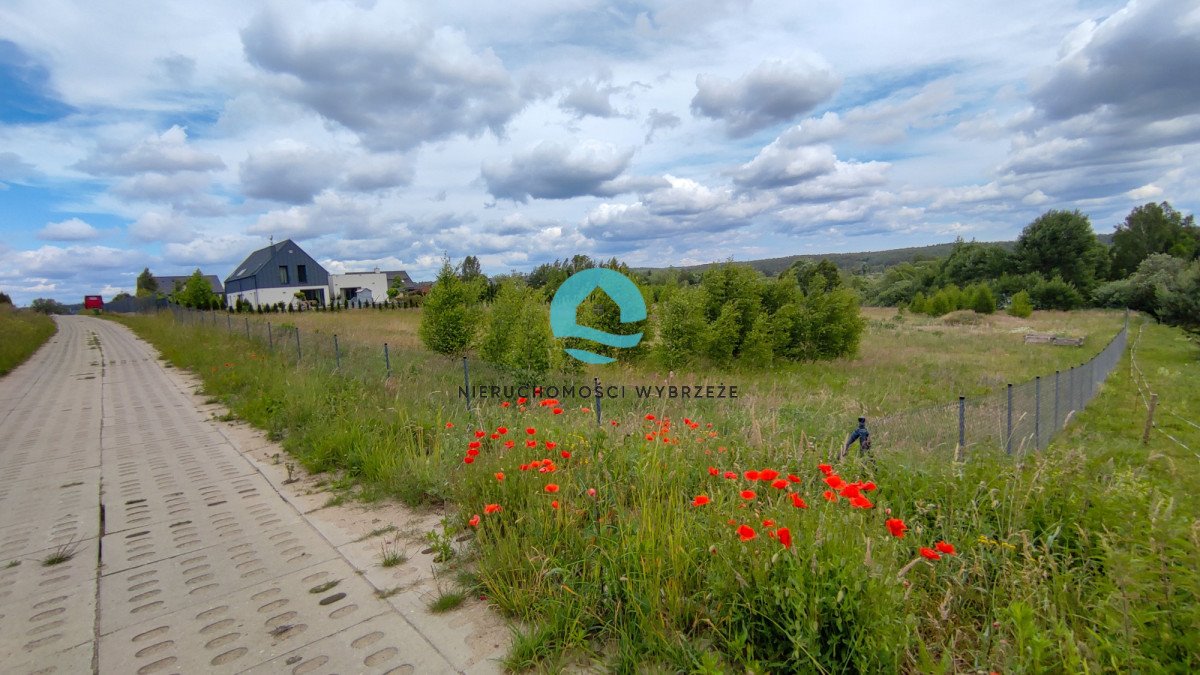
(774, 92)
(72, 229)
(164, 153)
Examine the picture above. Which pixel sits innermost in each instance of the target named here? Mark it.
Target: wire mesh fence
(1019, 418)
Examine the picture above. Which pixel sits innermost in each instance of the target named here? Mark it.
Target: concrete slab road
(135, 539)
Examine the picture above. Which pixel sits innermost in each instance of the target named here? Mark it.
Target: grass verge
(24, 331)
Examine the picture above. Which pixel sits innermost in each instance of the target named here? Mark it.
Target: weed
(376, 532)
(12, 563)
(441, 544)
(61, 554)
(385, 593)
(390, 557)
(447, 601)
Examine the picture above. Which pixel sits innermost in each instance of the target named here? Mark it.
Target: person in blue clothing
(862, 436)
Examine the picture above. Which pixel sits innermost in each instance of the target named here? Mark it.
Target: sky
(184, 135)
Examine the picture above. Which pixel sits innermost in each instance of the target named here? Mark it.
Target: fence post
(962, 421)
(596, 390)
(387, 360)
(1149, 419)
(1008, 435)
(270, 338)
(299, 356)
(1037, 412)
(228, 323)
(467, 382)
(247, 328)
(337, 353)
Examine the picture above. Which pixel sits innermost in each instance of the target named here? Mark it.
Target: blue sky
(176, 135)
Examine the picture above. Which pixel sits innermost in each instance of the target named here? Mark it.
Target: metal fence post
(1056, 421)
(467, 382)
(962, 421)
(1037, 412)
(247, 328)
(596, 390)
(1008, 435)
(387, 360)
(228, 323)
(337, 354)
(299, 356)
(270, 338)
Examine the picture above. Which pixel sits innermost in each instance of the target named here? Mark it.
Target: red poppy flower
(468, 460)
(551, 488)
(554, 504)
(550, 445)
(798, 501)
(494, 436)
(565, 454)
(474, 444)
(850, 491)
(531, 444)
(531, 431)
(700, 500)
(746, 533)
(834, 481)
(730, 475)
(480, 433)
(713, 471)
(751, 475)
(929, 553)
(649, 417)
(830, 496)
(793, 478)
(492, 508)
(613, 422)
(505, 404)
(522, 401)
(896, 527)
(557, 411)
(509, 444)
(591, 492)
(768, 475)
(779, 484)
(499, 475)
(784, 536)
(768, 523)
(449, 425)
(474, 521)
(524, 467)
(473, 452)
(825, 469)
(861, 502)
(502, 430)
(747, 494)
(868, 486)
(650, 436)
(948, 549)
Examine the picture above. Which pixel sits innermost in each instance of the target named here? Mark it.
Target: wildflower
(747, 494)
(793, 478)
(784, 536)
(798, 501)
(473, 452)
(499, 475)
(502, 430)
(468, 460)
(850, 491)
(700, 500)
(779, 484)
(713, 471)
(494, 436)
(861, 502)
(505, 404)
(510, 444)
(731, 521)
(613, 422)
(522, 401)
(585, 409)
(896, 527)
(591, 492)
(649, 417)
(835, 481)
(524, 467)
(768, 475)
(731, 475)
(531, 444)
(492, 508)
(746, 533)
(830, 496)
(929, 553)
(552, 488)
(550, 445)
(869, 486)
(751, 475)
(557, 411)
(449, 425)
(480, 433)
(473, 444)
(474, 521)
(554, 504)
(943, 547)
(531, 431)
(768, 523)
(825, 469)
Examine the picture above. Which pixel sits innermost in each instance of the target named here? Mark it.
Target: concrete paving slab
(71, 661)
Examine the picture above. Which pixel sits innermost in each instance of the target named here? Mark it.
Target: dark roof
(256, 261)
(405, 280)
(167, 284)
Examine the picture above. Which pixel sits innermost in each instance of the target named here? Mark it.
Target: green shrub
(1020, 305)
(450, 317)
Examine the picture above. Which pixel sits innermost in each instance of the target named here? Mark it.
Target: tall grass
(21, 333)
(1078, 558)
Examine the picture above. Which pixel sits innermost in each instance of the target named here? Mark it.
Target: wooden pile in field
(1049, 338)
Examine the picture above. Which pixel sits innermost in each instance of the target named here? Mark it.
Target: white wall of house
(375, 281)
(271, 296)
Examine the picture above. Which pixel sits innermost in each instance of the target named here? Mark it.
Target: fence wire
(1019, 418)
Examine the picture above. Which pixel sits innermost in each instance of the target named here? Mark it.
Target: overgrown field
(21, 333)
(706, 536)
